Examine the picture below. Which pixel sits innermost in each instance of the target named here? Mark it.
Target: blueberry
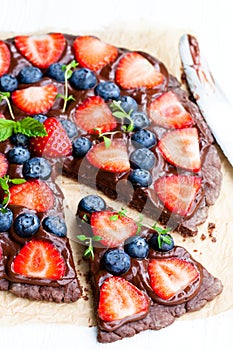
(6, 219)
(69, 127)
(40, 117)
(26, 225)
(142, 158)
(91, 204)
(83, 79)
(18, 155)
(30, 75)
(136, 247)
(107, 90)
(161, 242)
(128, 103)
(143, 138)
(140, 120)
(140, 177)
(116, 261)
(81, 146)
(19, 139)
(37, 168)
(55, 225)
(8, 83)
(56, 72)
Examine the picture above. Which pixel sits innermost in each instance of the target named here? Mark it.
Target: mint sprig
(162, 235)
(118, 215)
(68, 69)
(107, 140)
(4, 183)
(120, 113)
(6, 96)
(27, 126)
(89, 252)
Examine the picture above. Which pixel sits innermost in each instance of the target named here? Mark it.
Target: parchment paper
(213, 248)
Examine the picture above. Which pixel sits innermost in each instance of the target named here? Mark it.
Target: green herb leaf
(6, 96)
(107, 141)
(4, 183)
(162, 235)
(139, 223)
(96, 238)
(89, 252)
(6, 129)
(68, 69)
(17, 181)
(120, 113)
(82, 238)
(114, 217)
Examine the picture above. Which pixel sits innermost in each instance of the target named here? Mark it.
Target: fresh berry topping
(81, 146)
(56, 72)
(40, 117)
(3, 165)
(181, 148)
(55, 144)
(140, 120)
(30, 75)
(55, 225)
(171, 276)
(107, 90)
(161, 242)
(144, 138)
(116, 261)
(128, 103)
(33, 194)
(142, 158)
(168, 112)
(91, 204)
(93, 53)
(41, 50)
(83, 79)
(113, 158)
(94, 116)
(8, 83)
(5, 58)
(35, 99)
(39, 259)
(2, 116)
(26, 225)
(137, 247)
(20, 140)
(135, 71)
(114, 228)
(178, 192)
(140, 177)
(120, 299)
(18, 155)
(37, 168)
(69, 127)
(6, 219)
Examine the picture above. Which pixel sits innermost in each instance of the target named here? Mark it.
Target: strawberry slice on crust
(3, 165)
(94, 113)
(41, 50)
(35, 99)
(171, 276)
(178, 192)
(55, 144)
(112, 227)
(33, 194)
(181, 148)
(168, 112)
(5, 58)
(113, 158)
(120, 299)
(93, 53)
(135, 71)
(39, 259)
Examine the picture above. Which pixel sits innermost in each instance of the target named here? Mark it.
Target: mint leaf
(6, 129)
(17, 181)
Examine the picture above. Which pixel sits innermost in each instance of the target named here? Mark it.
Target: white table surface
(213, 20)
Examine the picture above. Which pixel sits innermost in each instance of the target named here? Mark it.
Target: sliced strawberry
(39, 259)
(114, 158)
(120, 299)
(168, 112)
(93, 53)
(181, 148)
(178, 192)
(135, 71)
(94, 113)
(41, 50)
(112, 227)
(35, 99)
(171, 276)
(5, 58)
(3, 165)
(33, 194)
(55, 144)
(2, 116)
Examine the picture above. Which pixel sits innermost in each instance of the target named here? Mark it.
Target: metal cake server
(213, 104)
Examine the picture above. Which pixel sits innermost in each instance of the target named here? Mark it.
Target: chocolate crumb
(211, 227)
(214, 240)
(195, 250)
(203, 237)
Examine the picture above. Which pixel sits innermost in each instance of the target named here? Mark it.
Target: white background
(213, 21)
